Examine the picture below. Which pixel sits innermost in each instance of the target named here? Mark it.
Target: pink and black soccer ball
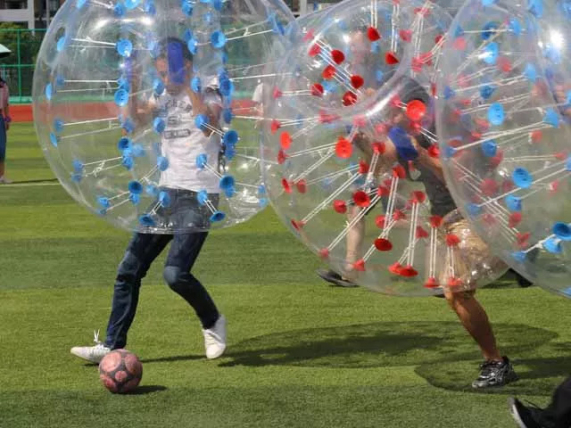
(120, 371)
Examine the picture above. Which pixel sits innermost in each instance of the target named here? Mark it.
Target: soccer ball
(120, 371)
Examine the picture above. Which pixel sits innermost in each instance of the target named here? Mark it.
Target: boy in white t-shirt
(182, 141)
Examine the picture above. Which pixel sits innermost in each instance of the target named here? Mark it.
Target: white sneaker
(215, 339)
(4, 180)
(92, 353)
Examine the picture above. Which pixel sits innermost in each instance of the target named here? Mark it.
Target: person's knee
(459, 298)
(130, 269)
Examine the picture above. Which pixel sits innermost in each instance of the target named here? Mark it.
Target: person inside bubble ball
(405, 149)
(181, 142)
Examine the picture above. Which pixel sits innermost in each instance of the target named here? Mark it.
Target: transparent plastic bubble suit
(504, 127)
(138, 108)
(358, 183)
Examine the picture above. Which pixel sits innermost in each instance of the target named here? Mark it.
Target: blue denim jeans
(141, 252)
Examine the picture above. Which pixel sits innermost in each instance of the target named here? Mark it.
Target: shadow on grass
(173, 359)
(381, 344)
(148, 389)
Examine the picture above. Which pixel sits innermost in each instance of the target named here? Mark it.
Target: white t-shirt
(182, 142)
(258, 96)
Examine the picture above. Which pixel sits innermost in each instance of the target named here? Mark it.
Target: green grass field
(301, 354)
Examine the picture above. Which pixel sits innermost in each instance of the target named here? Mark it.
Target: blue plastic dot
(227, 115)
(552, 53)
(458, 32)
(553, 245)
(513, 203)
(146, 220)
(162, 163)
(403, 144)
(196, 85)
(135, 198)
(48, 91)
(496, 114)
(449, 93)
(535, 7)
(489, 148)
(217, 217)
(123, 83)
(515, 26)
(150, 8)
(164, 199)
(128, 125)
(128, 162)
(121, 97)
(263, 202)
(119, 10)
(60, 81)
(487, 91)
(487, 3)
(226, 87)
(135, 187)
(375, 47)
(192, 46)
(158, 86)
(217, 5)
(522, 178)
(201, 121)
(519, 256)
(230, 152)
(201, 161)
(202, 197)
(492, 51)
(187, 7)
(54, 139)
(568, 163)
(230, 137)
(229, 191)
(530, 72)
(261, 190)
(562, 231)
(124, 48)
(218, 39)
(77, 166)
(80, 3)
(188, 35)
(58, 125)
(152, 190)
(379, 75)
(226, 182)
(489, 30)
(61, 43)
(76, 178)
(449, 151)
(131, 4)
(567, 292)
(551, 118)
(473, 210)
(138, 151)
(159, 125)
(103, 202)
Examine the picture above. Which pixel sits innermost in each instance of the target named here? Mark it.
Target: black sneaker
(335, 279)
(527, 416)
(495, 373)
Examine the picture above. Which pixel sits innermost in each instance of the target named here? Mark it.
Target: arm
(211, 110)
(141, 112)
(430, 162)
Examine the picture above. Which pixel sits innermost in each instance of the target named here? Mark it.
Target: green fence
(18, 67)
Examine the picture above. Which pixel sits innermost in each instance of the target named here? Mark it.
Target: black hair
(164, 43)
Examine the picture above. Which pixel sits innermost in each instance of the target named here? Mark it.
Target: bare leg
(354, 239)
(475, 321)
(2, 169)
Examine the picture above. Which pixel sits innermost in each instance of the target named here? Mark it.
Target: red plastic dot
(337, 56)
(418, 196)
(382, 128)
(361, 199)
(431, 283)
(297, 225)
(421, 232)
(359, 265)
(553, 186)
(504, 64)
(317, 90)
(327, 117)
(489, 219)
(349, 98)
(281, 157)
(408, 272)
(560, 156)
(536, 136)
(329, 72)
(286, 185)
(363, 167)
(459, 44)
(523, 238)
(343, 148)
(275, 125)
(340, 206)
(301, 186)
(380, 221)
(379, 147)
(383, 191)
(435, 221)
(357, 81)
(454, 282)
(489, 187)
(395, 268)
(433, 151)
(399, 215)
(314, 50)
(415, 110)
(391, 58)
(498, 159)
(277, 93)
(452, 240)
(382, 244)
(360, 121)
(438, 38)
(324, 253)
(515, 219)
(399, 171)
(373, 34)
(285, 140)
(406, 35)
(309, 35)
